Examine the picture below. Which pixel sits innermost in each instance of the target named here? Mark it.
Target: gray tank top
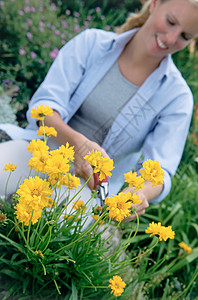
(97, 113)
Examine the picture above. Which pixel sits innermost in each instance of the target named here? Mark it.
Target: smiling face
(171, 26)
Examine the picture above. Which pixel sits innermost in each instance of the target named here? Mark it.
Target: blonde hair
(138, 19)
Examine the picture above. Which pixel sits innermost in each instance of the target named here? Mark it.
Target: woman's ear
(153, 4)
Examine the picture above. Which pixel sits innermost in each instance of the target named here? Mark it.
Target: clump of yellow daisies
(35, 193)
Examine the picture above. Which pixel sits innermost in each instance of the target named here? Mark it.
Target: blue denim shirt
(154, 122)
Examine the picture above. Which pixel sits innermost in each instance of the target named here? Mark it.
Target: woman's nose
(172, 37)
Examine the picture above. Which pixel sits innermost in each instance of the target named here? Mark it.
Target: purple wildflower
(22, 51)
(76, 14)
(29, 35)
(53, 6)
(98, 9)
(29, 21)
(68, 12)
(27, 9)
(54, 53)
(33, 54)
(20, 12)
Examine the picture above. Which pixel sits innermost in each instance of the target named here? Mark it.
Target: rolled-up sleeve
(166, 141)
(63, 77)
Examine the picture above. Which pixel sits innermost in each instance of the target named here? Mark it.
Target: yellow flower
(46, 131)
(34, 195)
(38, 252)
(3, 217)
(71, 181)
(39, 160)
(68, 217)
(152, 172)
(65, 151)
(95, 217)
(36, 145)
(135, 199)
(100, 164)
(79, 204)
(24, 213)
(163, 232)
(185, 247)
(119, 205)
(41, 111)
(117, 285)
(133, 180)
(9, 167)
(34, 192)
(57, 164)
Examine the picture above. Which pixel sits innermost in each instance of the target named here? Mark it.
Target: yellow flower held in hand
(152, 172)
(134, 181)
(117, 285)
(47, 131)
(185, 247)
(119, 205)
(41, 111)
(9, 167)
(100, 164)
(136, 199)
(163, 232)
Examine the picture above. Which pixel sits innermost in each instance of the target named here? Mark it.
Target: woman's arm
(147, 194)
(82, 145)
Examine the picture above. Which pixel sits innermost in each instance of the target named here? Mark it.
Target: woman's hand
(82, 146)
(140, 208)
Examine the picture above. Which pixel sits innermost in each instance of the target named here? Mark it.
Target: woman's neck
(134, 63)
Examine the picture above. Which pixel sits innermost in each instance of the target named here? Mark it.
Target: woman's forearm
(150, 191)
(64, 132)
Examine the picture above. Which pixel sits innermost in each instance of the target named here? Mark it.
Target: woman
(121, 94)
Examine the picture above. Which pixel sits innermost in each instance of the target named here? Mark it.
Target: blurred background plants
(32, 33)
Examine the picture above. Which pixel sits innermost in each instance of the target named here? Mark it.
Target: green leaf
(186, 260)
(16, 245)
(74, 295)
(10, 273)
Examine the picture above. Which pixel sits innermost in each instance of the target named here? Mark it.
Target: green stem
(187, 288)
(61, 212)
(130, 260)
(6, 187)
(94, 287)
(57, 286)
(43, 124)
(44, 269)
(124, 247)
(88, 230)
(21, 231)
(29, 226)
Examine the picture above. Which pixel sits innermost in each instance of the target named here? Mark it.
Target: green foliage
(32, 35)
(154, 276)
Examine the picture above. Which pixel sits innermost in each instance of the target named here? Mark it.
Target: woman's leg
(17, 154)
